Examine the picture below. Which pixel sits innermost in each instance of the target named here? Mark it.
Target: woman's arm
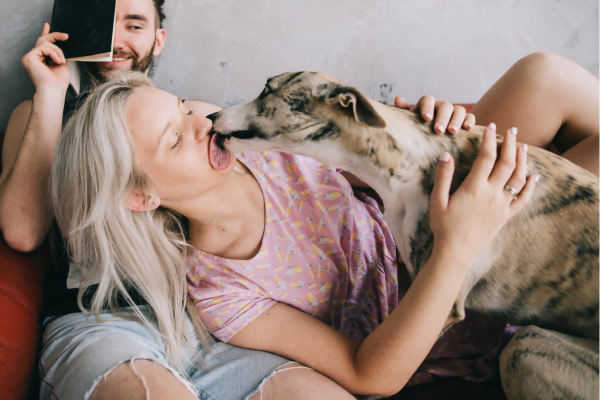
(462, 225)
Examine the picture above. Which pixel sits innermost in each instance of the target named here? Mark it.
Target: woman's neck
(229, 221)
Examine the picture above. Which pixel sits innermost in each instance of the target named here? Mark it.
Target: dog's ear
(361, 108)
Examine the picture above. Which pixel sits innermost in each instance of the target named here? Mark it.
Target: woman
(157, 150)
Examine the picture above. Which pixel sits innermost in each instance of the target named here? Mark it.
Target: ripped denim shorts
(78, 352)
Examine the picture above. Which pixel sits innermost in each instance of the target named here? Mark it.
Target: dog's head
(294, 108)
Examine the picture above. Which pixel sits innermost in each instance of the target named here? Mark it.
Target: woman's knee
(143, 379)
(296, 382)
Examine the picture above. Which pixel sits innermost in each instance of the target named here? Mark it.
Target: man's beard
(140, 64)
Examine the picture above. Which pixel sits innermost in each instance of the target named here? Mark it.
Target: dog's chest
(407, 213)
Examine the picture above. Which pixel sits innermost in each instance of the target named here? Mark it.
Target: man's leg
(550, 100)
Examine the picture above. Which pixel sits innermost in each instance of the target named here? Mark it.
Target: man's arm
(28, 151)
(29, 145)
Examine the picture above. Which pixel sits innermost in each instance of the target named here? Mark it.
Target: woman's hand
(468, 220)
(447, 115)
(56, 75)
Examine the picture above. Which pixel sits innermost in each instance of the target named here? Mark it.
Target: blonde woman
(135, 164)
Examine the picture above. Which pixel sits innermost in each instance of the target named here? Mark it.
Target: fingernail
(428, 115)
(445, 156)
(468, 126)
(525, 148)
(537, 178)
(492, 126)
(453, 128)
(513, 130)
(440, 128)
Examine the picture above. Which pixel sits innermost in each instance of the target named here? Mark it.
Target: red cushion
(21, 277)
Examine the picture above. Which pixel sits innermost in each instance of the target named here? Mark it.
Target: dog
(542, 267)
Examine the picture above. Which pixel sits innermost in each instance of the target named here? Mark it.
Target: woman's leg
(550, 100)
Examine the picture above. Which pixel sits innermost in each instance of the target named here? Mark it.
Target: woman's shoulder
(277, 159)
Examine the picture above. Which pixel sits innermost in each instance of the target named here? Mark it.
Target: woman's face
(171, 146)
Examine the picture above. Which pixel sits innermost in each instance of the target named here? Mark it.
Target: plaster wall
(222, 51)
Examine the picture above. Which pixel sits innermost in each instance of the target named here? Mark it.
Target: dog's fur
(542, 267)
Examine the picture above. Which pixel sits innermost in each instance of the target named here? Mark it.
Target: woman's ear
(139, 201)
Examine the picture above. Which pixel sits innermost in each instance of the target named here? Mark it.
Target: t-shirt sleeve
(225, 305)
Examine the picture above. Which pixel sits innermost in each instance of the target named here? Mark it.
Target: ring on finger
(514, 192)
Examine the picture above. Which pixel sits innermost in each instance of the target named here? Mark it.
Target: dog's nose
(213, 117)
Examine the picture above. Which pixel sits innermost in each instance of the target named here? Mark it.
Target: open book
(90, 25)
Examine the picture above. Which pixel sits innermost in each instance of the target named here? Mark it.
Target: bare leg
(125, 382)
(550, 100)
(300, 383)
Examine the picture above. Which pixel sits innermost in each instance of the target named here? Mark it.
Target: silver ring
(511, 190)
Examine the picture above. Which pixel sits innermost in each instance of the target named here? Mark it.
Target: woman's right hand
(465, 222)
(57, 75)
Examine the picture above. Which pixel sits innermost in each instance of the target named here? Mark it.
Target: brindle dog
(542, 267)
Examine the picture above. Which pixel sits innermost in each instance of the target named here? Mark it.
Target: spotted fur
(542, 267)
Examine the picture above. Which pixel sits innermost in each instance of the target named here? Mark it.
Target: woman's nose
(202, 127)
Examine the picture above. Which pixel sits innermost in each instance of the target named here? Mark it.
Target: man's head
(138, 37)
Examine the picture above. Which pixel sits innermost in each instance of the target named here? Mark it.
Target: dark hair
(160, 15)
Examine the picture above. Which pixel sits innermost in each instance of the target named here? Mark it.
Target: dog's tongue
(219, 159)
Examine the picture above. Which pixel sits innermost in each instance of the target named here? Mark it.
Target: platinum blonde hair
(93, 173)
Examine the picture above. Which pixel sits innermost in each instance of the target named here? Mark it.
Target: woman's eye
(177, 141)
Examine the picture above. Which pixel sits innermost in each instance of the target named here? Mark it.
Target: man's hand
(54, 75)
(447, 116)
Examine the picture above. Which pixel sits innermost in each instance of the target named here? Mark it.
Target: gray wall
(222, 51)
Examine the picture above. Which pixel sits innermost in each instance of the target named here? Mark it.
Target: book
(90, 25)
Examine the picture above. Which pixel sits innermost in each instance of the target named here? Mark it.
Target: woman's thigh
(78, 352)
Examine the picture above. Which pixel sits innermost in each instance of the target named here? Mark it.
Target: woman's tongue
(219, 159)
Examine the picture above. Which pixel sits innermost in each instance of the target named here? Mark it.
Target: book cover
(90, 25)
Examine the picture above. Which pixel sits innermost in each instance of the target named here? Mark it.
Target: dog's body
(542, 267)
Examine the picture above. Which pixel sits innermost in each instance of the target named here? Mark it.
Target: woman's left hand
(448, 117)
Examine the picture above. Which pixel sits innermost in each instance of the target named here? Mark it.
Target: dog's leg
(543, 364)
(456, 315)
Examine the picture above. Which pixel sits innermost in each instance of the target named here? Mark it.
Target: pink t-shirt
(324, 251)
(327, 251)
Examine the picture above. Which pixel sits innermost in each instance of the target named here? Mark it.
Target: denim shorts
(78, 352)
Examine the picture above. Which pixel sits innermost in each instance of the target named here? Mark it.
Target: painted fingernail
(537, 178)
(428, 115)
(453, 128)
(524, 147)
(513, 130)
(492, 126)
(440, 128)
(445, 156)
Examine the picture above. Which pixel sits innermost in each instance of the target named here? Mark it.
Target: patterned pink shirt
(328, 252)
(323, 251)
